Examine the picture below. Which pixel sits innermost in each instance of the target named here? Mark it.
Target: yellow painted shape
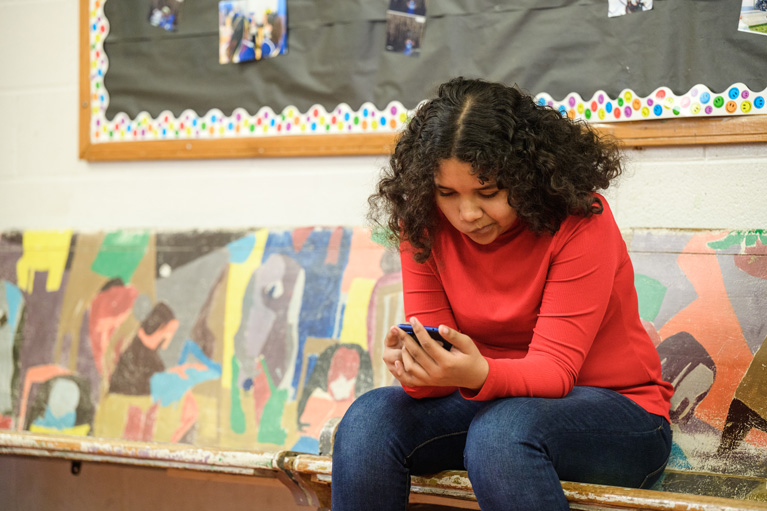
(355, 329)
(81, 430)
(237, 282)
(43, 251)
(207, 422)
(168, 419)
(112, 413)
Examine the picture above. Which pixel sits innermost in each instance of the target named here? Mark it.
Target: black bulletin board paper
(336, 53)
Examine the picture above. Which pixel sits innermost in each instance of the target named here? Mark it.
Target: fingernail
(443, 330)
(414, 321)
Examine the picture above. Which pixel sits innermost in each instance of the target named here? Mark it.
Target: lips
(482, 230)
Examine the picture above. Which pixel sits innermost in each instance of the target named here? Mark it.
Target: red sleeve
(425, 299)
(576, 293)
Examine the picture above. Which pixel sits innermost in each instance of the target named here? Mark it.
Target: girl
(507, 247)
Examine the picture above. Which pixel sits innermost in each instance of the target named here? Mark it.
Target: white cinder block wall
(44, 186)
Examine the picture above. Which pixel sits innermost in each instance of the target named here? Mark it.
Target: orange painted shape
(319, 409)
(364, 259)
(189, 413)
(711, 319)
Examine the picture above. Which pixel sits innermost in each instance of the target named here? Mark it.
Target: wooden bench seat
(308, 476)
(452, 488)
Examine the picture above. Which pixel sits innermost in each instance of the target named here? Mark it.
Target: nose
(470, 211)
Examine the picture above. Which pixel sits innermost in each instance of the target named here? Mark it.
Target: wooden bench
(264, 338)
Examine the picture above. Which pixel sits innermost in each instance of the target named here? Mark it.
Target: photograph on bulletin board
(165, 14)
(753, 17)
(251, 30)
(405, 23)
(623, 7)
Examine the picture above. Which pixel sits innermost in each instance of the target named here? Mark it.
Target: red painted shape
(108, 311)
(300, 236)
(6, 422)
(334, 246)
(345, 362)
(150, 420)
(133, 424)
(754, 260)
(261, 392)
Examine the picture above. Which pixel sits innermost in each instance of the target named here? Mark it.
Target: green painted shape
(270, 428)
(120, 254)
(747, 238)
(650, 293)
(237, 414)
(382, 236)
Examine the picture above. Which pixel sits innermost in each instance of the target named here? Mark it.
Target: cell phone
(433, 332)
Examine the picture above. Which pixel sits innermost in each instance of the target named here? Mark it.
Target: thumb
(456, 338)
(392, 339)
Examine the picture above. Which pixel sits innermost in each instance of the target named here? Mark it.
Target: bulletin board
(678, 74)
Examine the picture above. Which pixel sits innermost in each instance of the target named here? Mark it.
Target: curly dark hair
(550, 165)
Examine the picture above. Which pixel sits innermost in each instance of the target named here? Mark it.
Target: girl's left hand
(432, 365)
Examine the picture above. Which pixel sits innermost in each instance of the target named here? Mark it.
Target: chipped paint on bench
(136, 453)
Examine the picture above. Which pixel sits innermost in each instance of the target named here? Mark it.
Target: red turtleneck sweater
(547, 312)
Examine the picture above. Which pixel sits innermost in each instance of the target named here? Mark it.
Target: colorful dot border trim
(699, 101)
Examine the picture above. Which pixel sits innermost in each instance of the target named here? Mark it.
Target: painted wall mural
(254, 339)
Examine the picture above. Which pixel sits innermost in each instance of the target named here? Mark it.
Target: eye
(489, 195)
(445, 194)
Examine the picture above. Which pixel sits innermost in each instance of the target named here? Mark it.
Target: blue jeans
(516, 450)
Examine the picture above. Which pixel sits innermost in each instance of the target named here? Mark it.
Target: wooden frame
(675, 132)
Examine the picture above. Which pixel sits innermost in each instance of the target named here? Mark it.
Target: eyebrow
(479, 189)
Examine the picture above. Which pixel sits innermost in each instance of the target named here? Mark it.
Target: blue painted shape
(322, 288)
(192, 349)
(168, 388)
(307, 444)
(239, 250)
(51, 421)
(14, 297)
(677, 459)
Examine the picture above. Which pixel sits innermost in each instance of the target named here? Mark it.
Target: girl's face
(480, 211)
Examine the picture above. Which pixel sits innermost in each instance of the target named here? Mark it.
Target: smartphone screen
(433, 332)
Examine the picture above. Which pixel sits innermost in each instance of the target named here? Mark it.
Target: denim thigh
(518, 449)
(386, 436)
